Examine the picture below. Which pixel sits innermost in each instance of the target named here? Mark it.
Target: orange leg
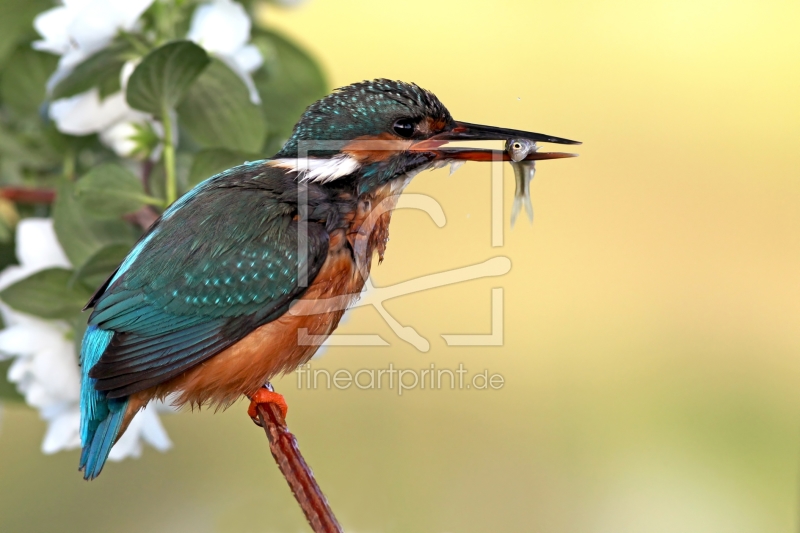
(265, 396)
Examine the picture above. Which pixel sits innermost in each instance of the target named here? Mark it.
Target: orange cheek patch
(375, 148)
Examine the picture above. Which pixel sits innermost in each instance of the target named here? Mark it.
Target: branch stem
(28, 195)
(171, 186)
(309, 496)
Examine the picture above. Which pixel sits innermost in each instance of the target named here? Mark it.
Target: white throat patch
(321, 170)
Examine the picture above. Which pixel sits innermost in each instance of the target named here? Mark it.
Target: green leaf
(8, 254)
(99, 267)
(110, 190)
(47, 294)
(212, 161)
(289, 81)
(101, 69)
(109, 86)
(24, 78)
(88, 146)
(164, 75)
(80, 234)
(11, 146)
(8, 392)
(217, 112)
(16, 21)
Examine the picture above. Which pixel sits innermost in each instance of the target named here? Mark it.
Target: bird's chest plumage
(368, 229)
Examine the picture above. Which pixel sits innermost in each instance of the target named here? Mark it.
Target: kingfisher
(203, 310)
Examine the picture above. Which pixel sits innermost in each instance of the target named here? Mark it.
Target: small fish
(518, 150)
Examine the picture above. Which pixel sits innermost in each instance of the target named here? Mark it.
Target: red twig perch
(301, 480)
(28, 195)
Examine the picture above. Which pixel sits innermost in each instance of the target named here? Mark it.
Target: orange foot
(265, 396)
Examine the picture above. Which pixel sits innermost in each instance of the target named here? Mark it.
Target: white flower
(80, 28)
(222, 27)
(76, 30)
(119, 136)
(145, 427)
(85, 113)
(45, 368)
(112, 118)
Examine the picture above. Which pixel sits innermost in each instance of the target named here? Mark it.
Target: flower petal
(98, 22)
(127, 70)
(84, 113)
(37, 245)
(221, 27)
(62, 429)
(153, 431)
(56, 371)
(44, 383)
(52, 26)
(19, 373)
(129, 444)
(146, 427)
(248, 58)
(18, 340)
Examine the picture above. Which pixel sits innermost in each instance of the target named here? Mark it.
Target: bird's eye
(516, 146)
(404, 127)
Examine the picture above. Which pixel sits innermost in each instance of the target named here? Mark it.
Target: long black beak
(464, 131)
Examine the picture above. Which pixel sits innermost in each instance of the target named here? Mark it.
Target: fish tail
(515, 209)
(528, 208)
(531, 171)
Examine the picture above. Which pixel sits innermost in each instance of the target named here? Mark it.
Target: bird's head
(379, 130)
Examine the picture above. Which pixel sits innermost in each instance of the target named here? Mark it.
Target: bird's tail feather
(101, 418)
(95, 451)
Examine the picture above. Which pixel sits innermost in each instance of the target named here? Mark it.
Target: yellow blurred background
(651, 352)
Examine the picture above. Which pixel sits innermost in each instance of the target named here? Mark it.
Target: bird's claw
(266, 396)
